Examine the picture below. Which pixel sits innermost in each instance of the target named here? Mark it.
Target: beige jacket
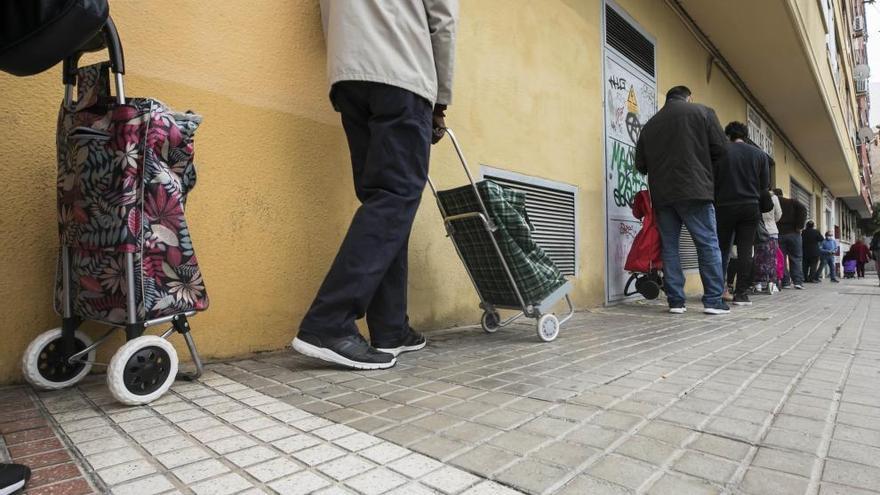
(405, 43)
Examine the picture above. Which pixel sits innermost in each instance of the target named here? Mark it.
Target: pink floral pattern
(124, 172)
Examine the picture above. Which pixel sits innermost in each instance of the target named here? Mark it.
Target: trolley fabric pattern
(534, 271)
(123, 175)
(490, 229)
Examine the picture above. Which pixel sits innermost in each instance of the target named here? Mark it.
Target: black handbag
(766, 201)
(761, 234)
(37, 34)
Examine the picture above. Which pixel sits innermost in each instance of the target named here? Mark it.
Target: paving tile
(676, 485)
(146, 486)
(384, 453)
(215, 433)
(253, 455)
(259, 423)
(759, 481)
(848, 473)
(722, 447)
(438, 447)
(484, 460)
(199, 470)
(199, 424)
(318, 454)
(489, 488)
(620, 470)
(113, 457)
(296, 443)
(705, 466)
(345, 467)
(299, 484)
(164, 445)
(231, 444)
(788, 462)
(126, 471)
(518, 442)
(415, 465)
(404, 434)
(273, 469)
(358, 441)
(585, 485)
(182, 457)
(532, 476)
(100, 445)
(224, 485)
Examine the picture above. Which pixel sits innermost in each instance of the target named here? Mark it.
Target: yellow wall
(274, 196)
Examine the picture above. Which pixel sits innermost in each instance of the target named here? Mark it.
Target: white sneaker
(678, 311)
(798, 286)
(772, 288)
(759, 287)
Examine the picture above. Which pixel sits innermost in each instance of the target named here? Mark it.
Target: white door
(630, 100)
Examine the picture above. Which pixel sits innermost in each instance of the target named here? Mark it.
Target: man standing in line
(390, 67)
(811, 238)
(677, 149)
(794, 214)
(828, 249)
(739, 179)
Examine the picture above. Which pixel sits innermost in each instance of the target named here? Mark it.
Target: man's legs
(699, 217)
(389, 133)
(669, 225)
(793, 249)
(860, 269)
(726, 221)
(828, 261)
(746, 226)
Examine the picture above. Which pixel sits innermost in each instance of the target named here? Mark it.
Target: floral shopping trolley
(126, 259)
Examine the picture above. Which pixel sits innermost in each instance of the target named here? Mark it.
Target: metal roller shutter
(804, 197)
(687, 251)
(553, 212)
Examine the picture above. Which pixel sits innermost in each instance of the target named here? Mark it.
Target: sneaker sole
(713, 311)
(325, 354)
(742, 303)
(12, 488)
(404, 348)
(678, 311)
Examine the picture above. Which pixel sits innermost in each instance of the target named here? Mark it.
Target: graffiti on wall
(630, 100)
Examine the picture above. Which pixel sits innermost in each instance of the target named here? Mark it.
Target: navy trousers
(389, 137)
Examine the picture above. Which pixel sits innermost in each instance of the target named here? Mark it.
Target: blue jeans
(699, 218)
(793, 248)
(828, 260)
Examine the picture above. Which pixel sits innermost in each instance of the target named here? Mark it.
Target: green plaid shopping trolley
(490, 229)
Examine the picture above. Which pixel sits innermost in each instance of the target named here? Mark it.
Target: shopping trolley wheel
(491, 321)
(45, 365)
(548, 327)
(142, 370)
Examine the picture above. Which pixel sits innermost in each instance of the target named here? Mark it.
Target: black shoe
(352, 351)
(720, 309)
(741, 300)
(413, 341)
(13, 478)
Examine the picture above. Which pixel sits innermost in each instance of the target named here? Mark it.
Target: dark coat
(742, 175)
(811, 239)
(794, 215)
(678, 148)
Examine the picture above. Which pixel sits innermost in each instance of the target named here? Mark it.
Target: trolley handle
(107, 38)
(470, 177)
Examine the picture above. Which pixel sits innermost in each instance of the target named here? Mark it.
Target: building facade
(549, 96)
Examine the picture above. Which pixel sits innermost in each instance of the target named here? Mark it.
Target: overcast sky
(872, 11)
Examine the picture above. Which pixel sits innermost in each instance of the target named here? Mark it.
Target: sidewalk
(776, 398)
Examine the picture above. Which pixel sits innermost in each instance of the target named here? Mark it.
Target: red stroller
(644, 260)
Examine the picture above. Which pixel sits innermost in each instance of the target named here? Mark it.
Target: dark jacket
(794, 215)
(741, 175)
(677, 149)
(811, 239)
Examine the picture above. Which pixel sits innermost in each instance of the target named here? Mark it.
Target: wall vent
(626, 39)
(552, 208)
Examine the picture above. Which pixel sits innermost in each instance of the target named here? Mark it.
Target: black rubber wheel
(146, 370)
(52, 363)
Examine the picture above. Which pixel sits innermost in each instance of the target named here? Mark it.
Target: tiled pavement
(774, 399)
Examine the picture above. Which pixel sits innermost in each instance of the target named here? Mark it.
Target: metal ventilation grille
(803, 197)
(626, 39)
(553, 212)
(687, 251)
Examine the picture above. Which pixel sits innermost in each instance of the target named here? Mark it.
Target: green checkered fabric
(534, 272)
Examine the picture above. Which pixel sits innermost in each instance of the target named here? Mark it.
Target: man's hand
(439, 123)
